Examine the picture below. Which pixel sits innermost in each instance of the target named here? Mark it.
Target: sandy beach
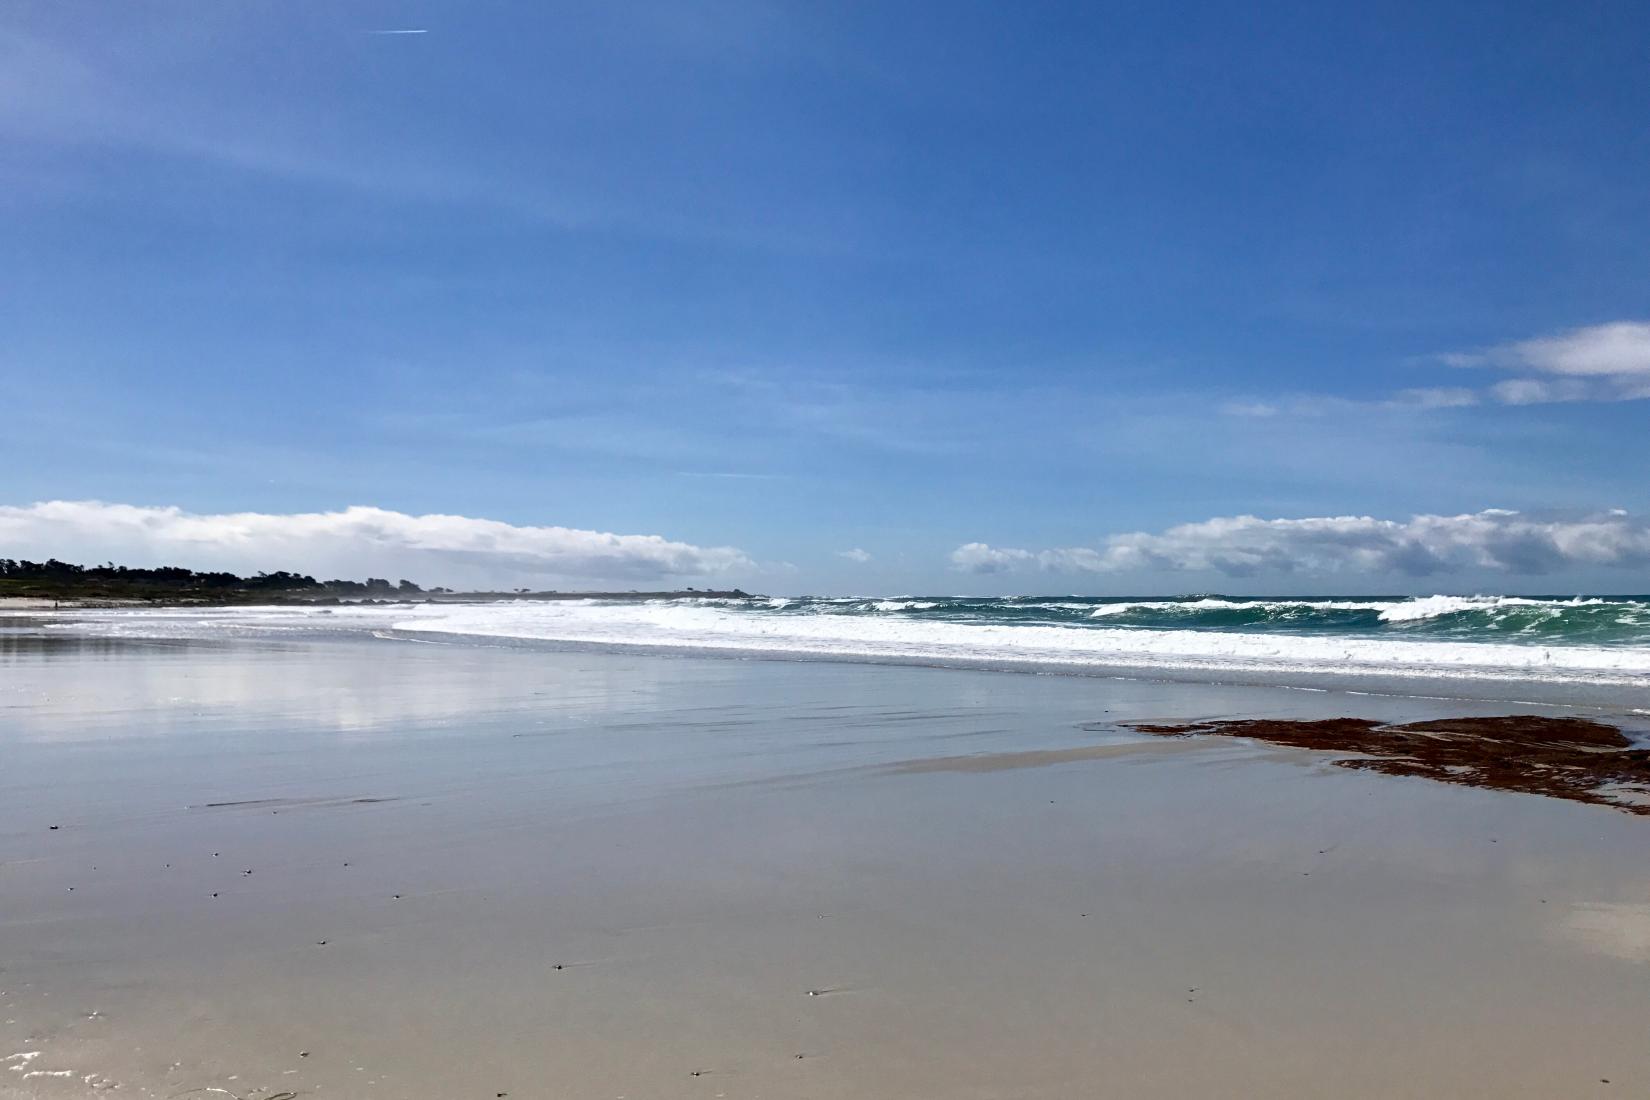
(782, 551)
(336, 867)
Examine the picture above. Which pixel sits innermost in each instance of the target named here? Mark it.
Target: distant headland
(63, 582)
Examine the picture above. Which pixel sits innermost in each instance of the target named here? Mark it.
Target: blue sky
(800, 280)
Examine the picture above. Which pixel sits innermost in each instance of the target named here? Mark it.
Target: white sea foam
(1412, 609)
(1435, 607)
(878, 637)
(701, 626)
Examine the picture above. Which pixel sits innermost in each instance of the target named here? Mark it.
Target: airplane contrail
(409, 30)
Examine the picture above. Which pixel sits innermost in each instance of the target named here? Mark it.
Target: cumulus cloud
(1609, 362)
(1243, 546)
(352, 542)
(855, 555)
(977, 557)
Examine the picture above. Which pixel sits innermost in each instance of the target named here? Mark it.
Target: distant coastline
(28, 584)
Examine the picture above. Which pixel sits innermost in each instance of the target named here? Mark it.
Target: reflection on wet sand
(1033, 758)
(351, 868)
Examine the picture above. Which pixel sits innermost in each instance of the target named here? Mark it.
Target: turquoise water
(1596, 644)
(1536, 620)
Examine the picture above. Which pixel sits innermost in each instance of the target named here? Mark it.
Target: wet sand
(345, 868)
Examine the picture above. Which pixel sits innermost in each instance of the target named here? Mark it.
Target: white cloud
(855, 555)
(1609, 362)
(1541, 391)
(1242, 546)
(353, 542)
(1617, 348)
(977, 557)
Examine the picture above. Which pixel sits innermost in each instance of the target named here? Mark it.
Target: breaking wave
(1577, 640)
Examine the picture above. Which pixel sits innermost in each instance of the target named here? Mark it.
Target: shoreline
(265, 599)
(1603, 679)
(337, 865)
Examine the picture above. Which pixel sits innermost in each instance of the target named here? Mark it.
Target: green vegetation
(110, 583)
(61, 580)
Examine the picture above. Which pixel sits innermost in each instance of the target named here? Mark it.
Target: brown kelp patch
(1573, 758)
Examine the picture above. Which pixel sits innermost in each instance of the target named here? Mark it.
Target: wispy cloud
(1307, 404)
(1244, 546)
(1542, 391)
(1433, 397)
(1608, 362)
(1614, 349)
(66, 92)
(855, 555)
(353, 541)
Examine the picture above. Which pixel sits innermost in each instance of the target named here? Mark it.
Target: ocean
(1598, 646)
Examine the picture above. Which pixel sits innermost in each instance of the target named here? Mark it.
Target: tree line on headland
(91, 584)
(53, 579)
